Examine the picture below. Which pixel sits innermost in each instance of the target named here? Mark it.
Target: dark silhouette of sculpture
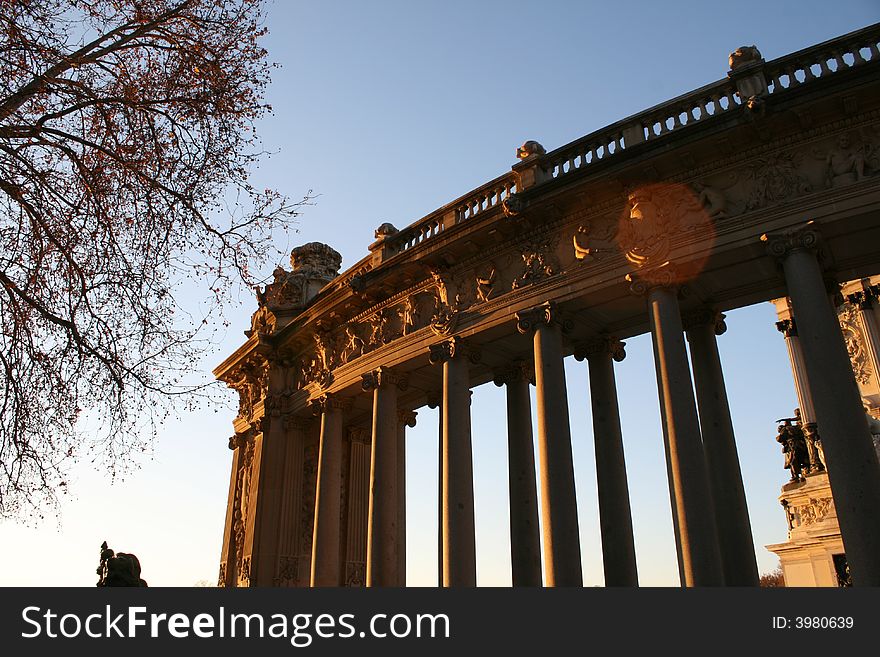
(120, 569)
(794, 446)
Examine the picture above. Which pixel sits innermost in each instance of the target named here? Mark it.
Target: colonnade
(711, 521)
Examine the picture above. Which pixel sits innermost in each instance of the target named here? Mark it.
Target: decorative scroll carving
(326, 403)
(518, 370)
(774, 178)
(787, 327)
(702, 317)
(602, 345)
(780, 245)
(250, 380)
(407, 418)
(855, 342)
(657, 213)
(448, 349)
(382, 377)
(538, 262)
(643, 281)
(221, 578)
(545, 314)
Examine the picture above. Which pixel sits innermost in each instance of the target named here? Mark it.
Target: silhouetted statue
(119, 569)
(794, 446)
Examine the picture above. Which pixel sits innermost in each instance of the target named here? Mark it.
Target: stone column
(435, 400)
(405, 419)
(525, 537)
(328, 493)
(562, 550)
(459, 542)
(615, 515)
(788, 327)
(382, 536)
(852, 465)
(694, 516)
(719, 444)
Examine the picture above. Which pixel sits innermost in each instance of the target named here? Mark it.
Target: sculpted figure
(118, 569)
(844, 164)
(712, 200)
(408, 314)
(528, 149)
(485, 284)
(742, 56)
(354, 344)
(442, 290)
(794, 447)
(385, 230)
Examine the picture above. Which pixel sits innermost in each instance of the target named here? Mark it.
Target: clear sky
(389, 110)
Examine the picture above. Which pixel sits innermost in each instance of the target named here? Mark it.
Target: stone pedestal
(808, 557)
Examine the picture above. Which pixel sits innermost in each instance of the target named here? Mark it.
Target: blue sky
(388, 110)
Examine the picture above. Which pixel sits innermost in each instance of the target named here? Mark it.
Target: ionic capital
(359, 434)
(781, 245)
(547, 314)
(518, 370)
(453, 348)
(238, 440)
(601, 346)
(407, 418)
(328, 403)
(787, 327)
(704, 317)
(666, 276)
(383, 376)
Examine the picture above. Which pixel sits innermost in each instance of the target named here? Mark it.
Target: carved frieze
(539, 261)
(656, 214)
(850, 326)
(774, 178)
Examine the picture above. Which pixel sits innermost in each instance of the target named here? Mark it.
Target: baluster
(823, 66)
(857, 55)
(841, 62)
(808, 72)
(872, 48)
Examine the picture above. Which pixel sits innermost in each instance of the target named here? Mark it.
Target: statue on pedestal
(794, 446)
(118, 569)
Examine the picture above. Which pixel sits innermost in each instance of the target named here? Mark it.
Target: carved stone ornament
(850, 326)
(538, 262)
(382, 377)
(845, 162)
(444, 320)
(601, 346)
(453, 348)
(544, 315)
(244, 572)
(385, 230)
(485, 283)
(657, 214)
(668, 276)
(407, 418)
(813, 512)
(313, 266)
(529, 149)
(263, 322)
(512, 206)
(518, 370)
(241, 501)
(409, 314)
(774, 178)
(221, 578)
(287, 572)
(353, 343)
(703, 317)
(743, 56)
(779, 245)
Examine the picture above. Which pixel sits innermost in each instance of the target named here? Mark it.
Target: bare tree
(126, 139)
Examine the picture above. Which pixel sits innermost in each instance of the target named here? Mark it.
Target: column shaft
(615, 515)
(851, 461)
(725, 478)
(328, 491)
(562, 551)
(699, 555)
(799, 373)
(401, 504)
(382, 534)
(459, 543)
(525, 538)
